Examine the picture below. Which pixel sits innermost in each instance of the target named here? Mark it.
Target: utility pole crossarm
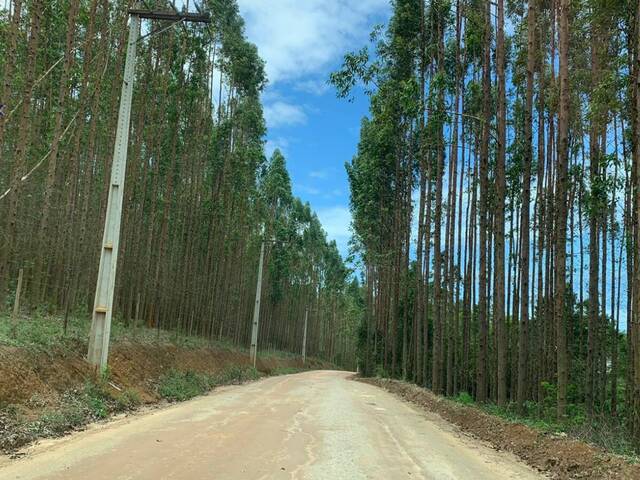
(171, 16)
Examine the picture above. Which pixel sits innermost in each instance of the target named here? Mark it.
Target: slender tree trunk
(24, 130)
(483, 343)
(524, 213)
(499, 221)
(561, 210)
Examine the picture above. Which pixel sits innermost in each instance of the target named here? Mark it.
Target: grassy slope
(41, 332)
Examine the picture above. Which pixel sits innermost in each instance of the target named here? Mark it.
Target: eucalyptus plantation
(495, 195)
(200, 196)
(521, 119)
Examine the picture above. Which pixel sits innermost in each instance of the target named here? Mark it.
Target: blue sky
(302, 41)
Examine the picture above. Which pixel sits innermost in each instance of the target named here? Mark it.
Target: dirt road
(315, 425)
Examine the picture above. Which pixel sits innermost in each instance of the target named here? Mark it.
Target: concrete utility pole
(103, 304)
(16, 306)
(304, 336)
(256, 310)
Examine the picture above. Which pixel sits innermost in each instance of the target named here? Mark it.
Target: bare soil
(37, 382)
(558, 456)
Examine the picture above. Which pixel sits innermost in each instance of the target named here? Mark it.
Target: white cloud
(314, 87)
(301, 41)
(336, 221)
(336, 192)
(321, 174)
(308, 190)
(279, 113)
(279, 143)
(301, 38)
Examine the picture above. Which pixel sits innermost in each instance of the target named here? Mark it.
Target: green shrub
(128, 400)
(74, 412)
(97, 407)
(53, 423)
(286, 370)
(235, 374)
(464, 398)
(381, 372)
(178, 386)
(96, 398)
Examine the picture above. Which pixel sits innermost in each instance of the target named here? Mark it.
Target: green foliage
(94, 401)
(356, 67)
(129, 399)
(603, 430)
(443, 90)
(381, 372)
(178, 386)
(40, 331)
(286, 370)
(235, 374)
(464, 398)
(58, 422)
(198, 183)
(550, 394)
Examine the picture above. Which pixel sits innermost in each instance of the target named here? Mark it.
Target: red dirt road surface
(313, 425)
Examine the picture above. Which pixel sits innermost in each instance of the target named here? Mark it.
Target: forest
(495, 196)
(201, 194)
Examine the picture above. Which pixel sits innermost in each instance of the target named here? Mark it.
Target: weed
(381, 372)
(464, 398)
(604, 431)
(178, 386)
(41, 331)
(286, 370)
(128, 400)
(235, 374)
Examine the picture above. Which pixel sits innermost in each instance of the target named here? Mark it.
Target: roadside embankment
(48, 389)
(558, 456)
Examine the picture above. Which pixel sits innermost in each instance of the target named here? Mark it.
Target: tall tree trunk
(499, 220)
(523, 336)
(483, 343)
(24, 130)
(636, 225)
(594, 230)
(561, 210)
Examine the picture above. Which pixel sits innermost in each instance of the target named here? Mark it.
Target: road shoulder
(554, 455)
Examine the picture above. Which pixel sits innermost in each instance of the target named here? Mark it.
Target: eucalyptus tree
(541, 132)
(198, 188)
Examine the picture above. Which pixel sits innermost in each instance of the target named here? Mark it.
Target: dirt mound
(29, 375)
(558, 456)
